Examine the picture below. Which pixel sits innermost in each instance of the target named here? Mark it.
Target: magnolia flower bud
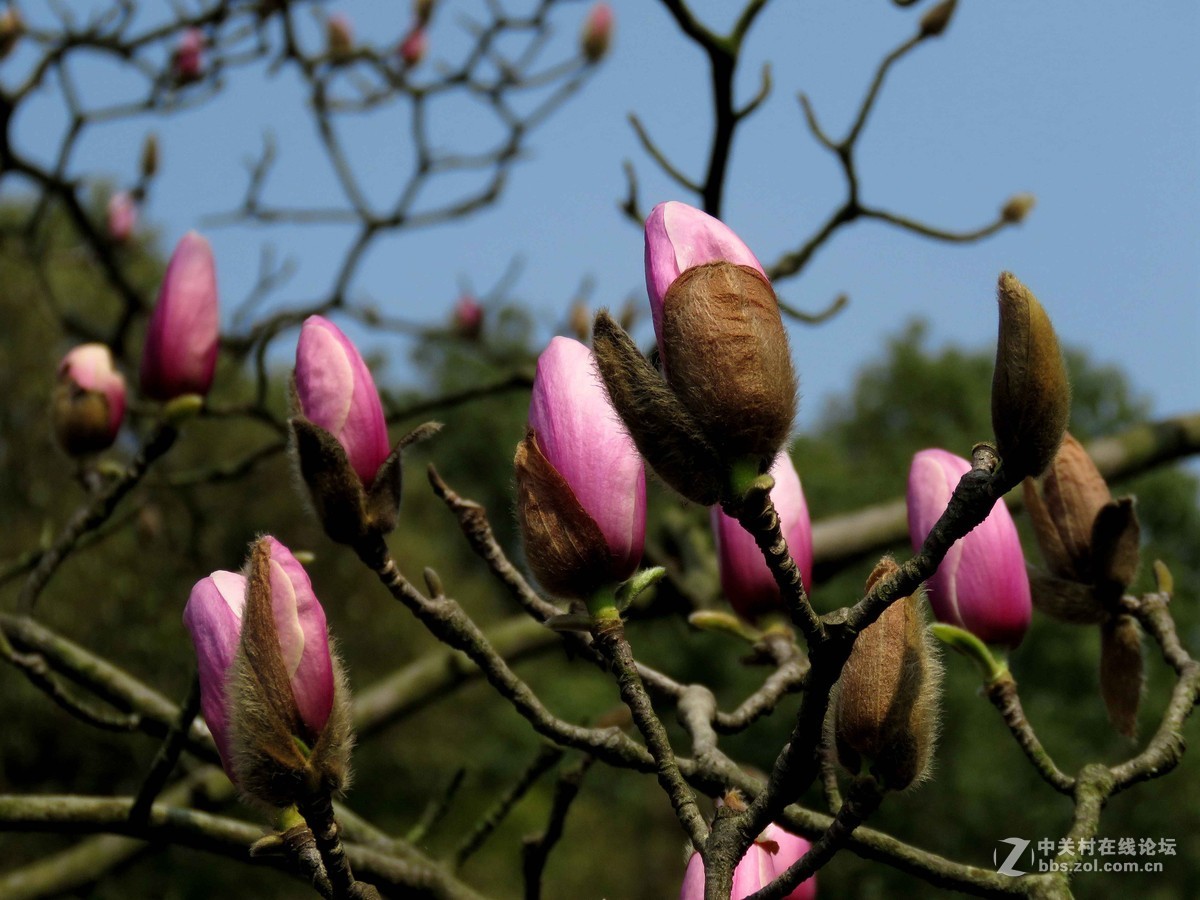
(679, 237)
(213, 617)
(339, 36)
(884, 711)
(1031, 398)
(414, 47)
(286, 703)
(468, 317)
(730, 391)
(981, 584)
(89, 400)
(336, 392)
(180, 355)
(597, 32)
(746, 579)
(581, 486)
(121, 216)
(340, 437)
(771, 854)
(187, 62)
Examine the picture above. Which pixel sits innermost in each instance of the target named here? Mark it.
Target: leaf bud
(150, 156)
(1017, 208)
(937, 18)
(1031, 397)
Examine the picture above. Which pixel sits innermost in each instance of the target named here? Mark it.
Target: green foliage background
(123, 597)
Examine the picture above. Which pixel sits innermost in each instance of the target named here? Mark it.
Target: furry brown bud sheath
(884, 712)
(726, 357)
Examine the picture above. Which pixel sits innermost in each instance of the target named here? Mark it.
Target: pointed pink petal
(679, 237)
(582, 437)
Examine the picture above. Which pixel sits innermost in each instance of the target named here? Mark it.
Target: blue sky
(1092, 107)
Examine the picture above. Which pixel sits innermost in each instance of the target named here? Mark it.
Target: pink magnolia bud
(303, 637)
(745, 577)
(414, 46)
(89, 402)
(122, 216)
(765, 860)
(180, 356)
(213, 617)
(337, 393)
(339, 35)
(595, 473)
(981, 584)
(187, 62)
(679, 237)
(468, 317)
(597, 32)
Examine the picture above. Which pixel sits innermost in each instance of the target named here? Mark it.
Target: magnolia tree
(708, 414)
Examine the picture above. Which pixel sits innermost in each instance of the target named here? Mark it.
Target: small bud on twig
(937, 18)
(150, 156)
(1017, 208)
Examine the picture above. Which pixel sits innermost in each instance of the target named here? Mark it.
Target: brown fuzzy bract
(263, 718)
(1064, 509)
(726, 357)
(81, 419)
(1121, 674)
(265, 722)
(665, 433)
(564, 546)
(885, 708)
